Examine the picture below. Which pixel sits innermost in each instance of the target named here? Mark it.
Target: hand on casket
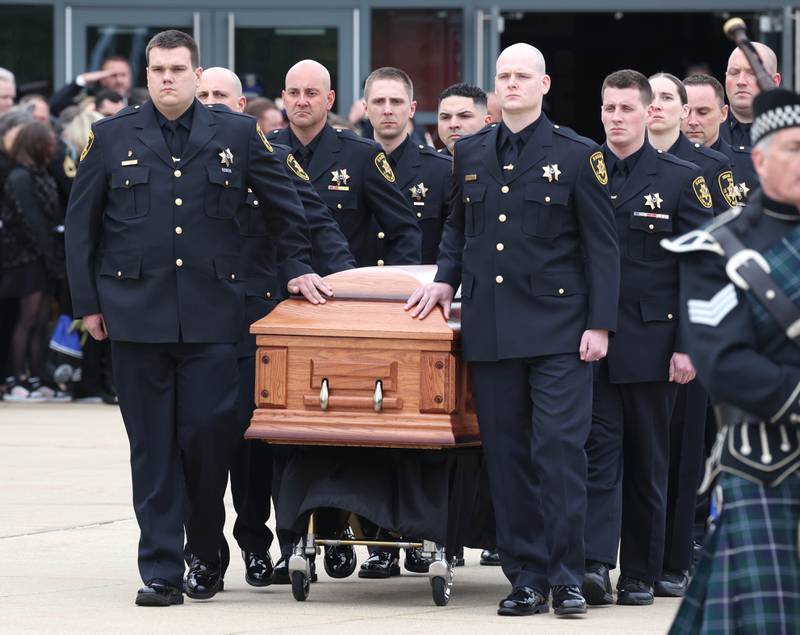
(311, 286)
(428, 296)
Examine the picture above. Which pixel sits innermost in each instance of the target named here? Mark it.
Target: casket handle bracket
(377, 397)
(324, 394)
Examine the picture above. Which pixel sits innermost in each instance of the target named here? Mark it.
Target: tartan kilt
(748, 578)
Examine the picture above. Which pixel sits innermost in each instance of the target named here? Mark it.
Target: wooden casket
(360, 371)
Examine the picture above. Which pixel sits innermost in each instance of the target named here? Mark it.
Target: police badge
(701, 192)
(728, 188)
(599, 167)
(384, 168)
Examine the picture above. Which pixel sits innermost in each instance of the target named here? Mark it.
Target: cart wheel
(301, 585)
(440, 590)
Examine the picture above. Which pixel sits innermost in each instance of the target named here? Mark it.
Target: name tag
(470, 177)
(339, 188)
(652, 215)
(129, 162)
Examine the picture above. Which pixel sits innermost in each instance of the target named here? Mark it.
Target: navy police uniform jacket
(353, 177)
(735, 133)
(536, 255)
(663, 196)
(154, 244)
(742, 356)
(424, 176)
(716, 170)
(744, 175)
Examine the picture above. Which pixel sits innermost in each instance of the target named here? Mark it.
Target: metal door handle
(377, 397)
(324, 395)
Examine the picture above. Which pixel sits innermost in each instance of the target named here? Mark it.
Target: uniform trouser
(177, 401)
(686, 456)
(534, 416)
(251, 472)
(630, 434)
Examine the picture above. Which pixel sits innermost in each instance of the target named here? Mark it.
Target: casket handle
(377, 398)
(324, 395)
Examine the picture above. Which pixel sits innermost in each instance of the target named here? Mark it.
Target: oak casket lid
(367, 302)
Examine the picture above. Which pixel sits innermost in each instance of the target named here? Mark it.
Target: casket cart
(360, 372)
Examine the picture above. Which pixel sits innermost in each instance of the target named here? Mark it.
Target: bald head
(741, 86)
(524, 54)
(309, 71)
(221, 86)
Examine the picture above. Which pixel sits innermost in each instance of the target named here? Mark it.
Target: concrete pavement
(68, 557)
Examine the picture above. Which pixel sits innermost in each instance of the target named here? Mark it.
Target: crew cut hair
(392, 73)
(173, 39)
(475, 93)
(707, 80)
(628, 78)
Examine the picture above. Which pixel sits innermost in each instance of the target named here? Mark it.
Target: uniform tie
(173, 139)
(619, 176)
(513, 148)
(303, 156)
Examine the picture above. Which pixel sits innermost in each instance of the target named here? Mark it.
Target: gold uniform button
(178, 202)
(179, 230)
(380, 263)
(338, 206)
(119, 274)
(504, 189)
(255, 203)
(179, 262)
(502, 218)
(770, 294)
(177, 174)
(381, 235)
(419, 214)
(651, 227)
(269, 295)
(546, 199)
(500, 246)
(669, 316)
(499, 279)
(561, 292)
(233, 276)
(226, 183)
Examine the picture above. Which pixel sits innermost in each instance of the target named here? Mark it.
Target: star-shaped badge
(653, 201)
(551, 172)
(226, 157)
(344, 176)
(419, 191)
(743, 189)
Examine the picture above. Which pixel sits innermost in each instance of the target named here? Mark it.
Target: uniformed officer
(667, 111)
(422, 174)
(462, 111)
(352, 175)
(654, 195)
(739, 307)
(251, 465)
(153, 263)
(741, 87)
(531, 241)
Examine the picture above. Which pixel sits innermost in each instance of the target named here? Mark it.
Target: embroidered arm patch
(712, 312)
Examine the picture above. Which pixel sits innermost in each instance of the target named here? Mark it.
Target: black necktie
(173, 139)
(619, 176)
(303, 156)
(512, 149)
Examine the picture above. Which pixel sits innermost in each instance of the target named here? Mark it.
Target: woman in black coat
(31, 255)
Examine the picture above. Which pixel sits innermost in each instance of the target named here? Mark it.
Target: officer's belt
(750, 271)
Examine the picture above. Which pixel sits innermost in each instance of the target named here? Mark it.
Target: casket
(360, 371)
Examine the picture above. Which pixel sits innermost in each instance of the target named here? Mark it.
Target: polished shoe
(157, 592)
(596, 585)
(280, 574)
(568, 600)
(381, 564)
(415, 561)
(633, 592)
(524, 600)
(673, 584)
(203, 580)
(258, 568)
(490, 558)
(460, 562)
(340, 561)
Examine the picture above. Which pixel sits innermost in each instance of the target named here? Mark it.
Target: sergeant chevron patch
(712, 312)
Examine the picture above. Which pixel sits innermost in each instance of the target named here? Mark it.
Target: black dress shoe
(596, 585)
(568, 600)
(159, 593)
(673, 584)
(415, 561)
(280, 574)
(381, 564)
(524, 600)
(340, 561)
(258, 568)
(203, 580)
(460, 562)
(490, 558)
(633, 592)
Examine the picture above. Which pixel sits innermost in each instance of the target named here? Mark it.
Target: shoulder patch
(69, 167)
(264, 139)
(701, 192)
(88, 146)
(727, 186)
(384, 168)
(598, 164)
(712, 312)
(295, 167)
